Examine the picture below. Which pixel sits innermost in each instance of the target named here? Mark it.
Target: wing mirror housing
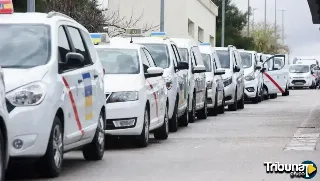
(76, 60)
(219, 72)
(263, 70)
(199, 69)
(154, 72)
(183, 66)
(236, 68)
(259, 65)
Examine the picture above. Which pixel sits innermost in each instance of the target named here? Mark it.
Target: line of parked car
(64, 93)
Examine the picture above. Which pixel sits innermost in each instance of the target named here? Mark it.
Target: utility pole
(162, 16)
(253, 18)
(31, 7)
(248, 33)
(265, 15)
(223, 22)
(282, 29)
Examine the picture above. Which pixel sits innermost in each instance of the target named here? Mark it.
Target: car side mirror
(199, 69)
(259, 65)
(154, 72)
(236, 68)
(183, 66)
(74, 60)
(219, 72)
(263, 70)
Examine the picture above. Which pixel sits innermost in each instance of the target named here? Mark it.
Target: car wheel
(162, 133)
(255, 100)
(286, 92)
(2, 157)
(184, 120)
(265, 93)
(234, 106)
(221, 108)
(203, 113)
(95, 150)
(192, 114)
(143, 138)
(174, 122)
(241, 101)
(51, 163)
(214, 111)
(260, 99)
(273, 96)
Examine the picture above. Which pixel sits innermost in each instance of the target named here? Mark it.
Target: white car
(230, 60)
(136, 93)
(301, 75)
(166, 55)
(215, 86)
(54, 89)
(197, 93)
(276, 76)
(253, 78)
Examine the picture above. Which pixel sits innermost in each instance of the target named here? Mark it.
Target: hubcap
(57, 146)
(146, 126)
(101, 133)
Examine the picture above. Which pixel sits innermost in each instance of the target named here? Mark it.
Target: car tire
(265, 93)
(273, 96)
(49, 165)
(174, 122)
(255, 100)
(234, 106)
(286, 92)
(184, 120)
(260, 99)
(241, 102)
(221, 109)
(2, 157)
(192, 114)
(162, 133)
(95, 150)
(203, 113)
(143, 139)
(214, 111)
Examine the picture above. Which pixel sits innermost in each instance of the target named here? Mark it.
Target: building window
(190, 28)
(200, 34)
(211, 38)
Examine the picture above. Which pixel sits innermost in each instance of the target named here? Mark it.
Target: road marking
(274, 82)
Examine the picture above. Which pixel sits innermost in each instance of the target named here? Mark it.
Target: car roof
(206, 49)
(184, 42)
(221, 48)
(120, 45)
(36, 18)
(247, 51)
(157, 40)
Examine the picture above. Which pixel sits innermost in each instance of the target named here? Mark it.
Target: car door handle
(95, 76)
(79, 81)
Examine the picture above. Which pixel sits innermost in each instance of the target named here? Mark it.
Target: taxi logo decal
(74, 107)
(88, 96)
(155, 97)
(274, 82)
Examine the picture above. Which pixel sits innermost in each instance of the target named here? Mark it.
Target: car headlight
(28, 95)
(168, 81)
(227, 81)
(209, 84)
(250, 77)
(123, 96)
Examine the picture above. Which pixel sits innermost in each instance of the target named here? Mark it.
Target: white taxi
(54, 89)
(135, 93)
(301, 75)
(166, 55)
(215, 86)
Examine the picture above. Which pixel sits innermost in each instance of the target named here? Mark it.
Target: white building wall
(177, 12)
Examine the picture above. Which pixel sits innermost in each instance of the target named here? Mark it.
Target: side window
(91, 48)
(149, 57)
(214, 63)
(198, 55)
(78, 44)
(63, 44)
(234, 59)
(175, 57)
(238, 58)
(144, 60)
(193, 58)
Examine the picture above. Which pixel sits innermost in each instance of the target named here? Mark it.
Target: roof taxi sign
(133, 32)
(98, 38)
(6, 7)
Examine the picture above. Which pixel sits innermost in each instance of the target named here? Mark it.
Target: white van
(302, 75)
(189, 51)
(54, 89)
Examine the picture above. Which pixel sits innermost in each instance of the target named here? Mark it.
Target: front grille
(10, 107)
(298, 82)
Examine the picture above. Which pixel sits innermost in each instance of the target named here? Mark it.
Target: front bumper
(300, 82)
(125, 111)
(32, 126)
(250, 90)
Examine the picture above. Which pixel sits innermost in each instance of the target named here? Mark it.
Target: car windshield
(184, 54)
(224, 58)
(24, 45)
(207, 61)
(160, 54)
(119, 61)
(246, 59)
(299, 68)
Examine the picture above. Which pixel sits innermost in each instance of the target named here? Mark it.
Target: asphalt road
(229, 147)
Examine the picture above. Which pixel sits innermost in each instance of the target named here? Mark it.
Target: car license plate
(299, 83)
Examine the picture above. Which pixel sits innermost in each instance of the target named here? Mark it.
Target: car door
(236, 74)
(199, 80)
(215, 81)
(220, 85)
(182, 76)
(73, 130)
(152, 93)
(241, 73)
(274, 76)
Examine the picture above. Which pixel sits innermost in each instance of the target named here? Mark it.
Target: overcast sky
(301, 35)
